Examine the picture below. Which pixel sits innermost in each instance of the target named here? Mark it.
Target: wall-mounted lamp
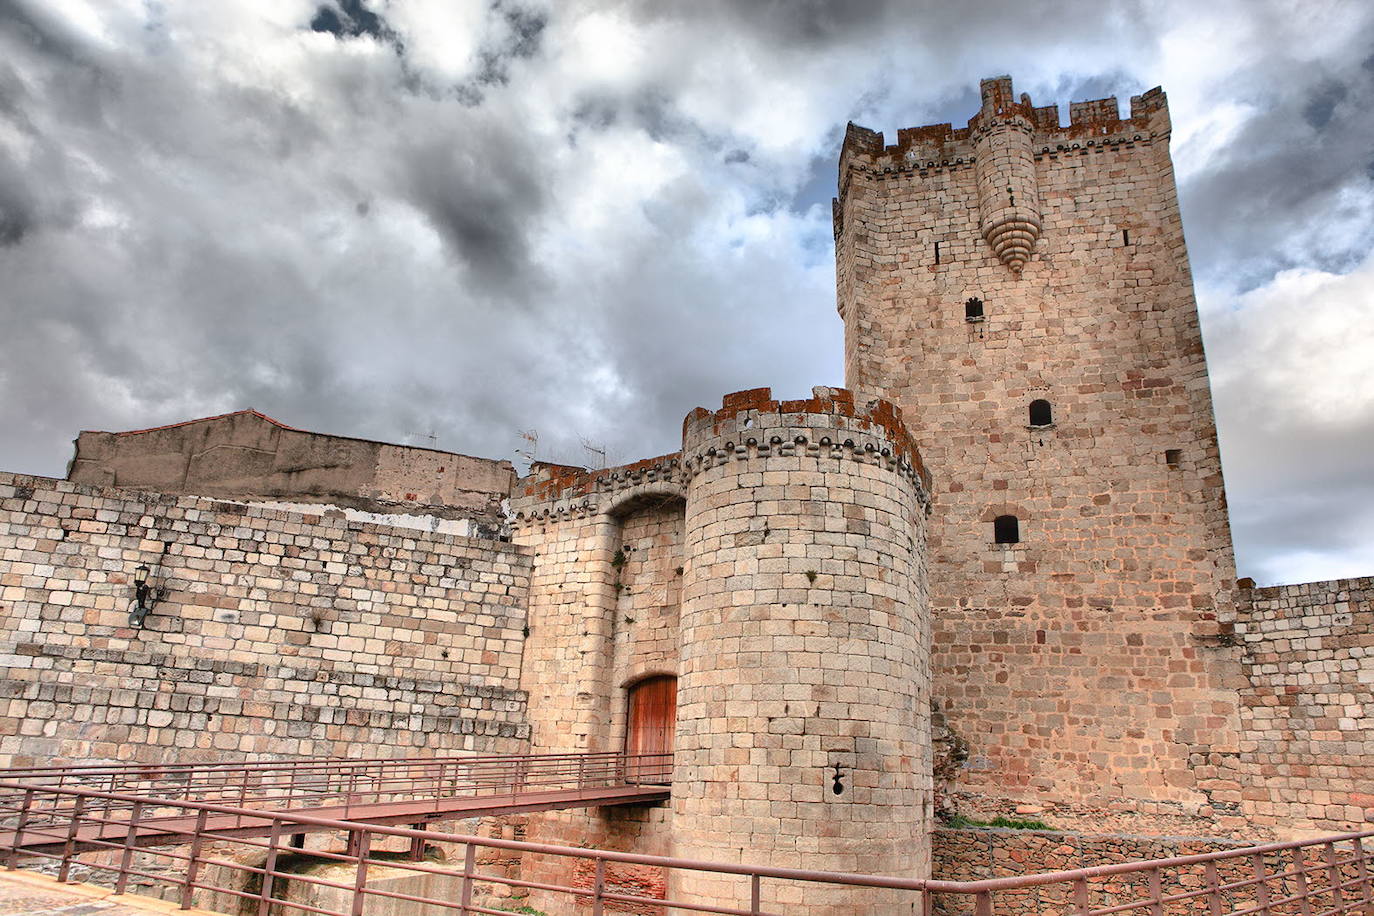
(145, 596)
(838, 786)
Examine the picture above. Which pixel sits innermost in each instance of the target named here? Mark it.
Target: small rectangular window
(1172, 456)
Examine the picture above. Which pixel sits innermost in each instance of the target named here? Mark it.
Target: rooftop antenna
(432, 436)
(532, 437)
(599, 451)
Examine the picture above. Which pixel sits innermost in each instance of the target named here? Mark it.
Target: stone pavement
(39, 895)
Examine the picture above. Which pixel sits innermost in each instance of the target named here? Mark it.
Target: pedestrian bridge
(197, 829)
(65, 810)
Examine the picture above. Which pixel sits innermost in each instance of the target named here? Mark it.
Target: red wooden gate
(652, 718)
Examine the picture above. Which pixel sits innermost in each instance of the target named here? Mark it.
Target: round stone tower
(803, 735)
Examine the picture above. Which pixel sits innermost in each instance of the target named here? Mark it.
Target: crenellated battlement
(560, 490)
(834, 422)
(944, 145)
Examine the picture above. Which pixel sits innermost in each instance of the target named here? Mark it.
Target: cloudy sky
(386, 218)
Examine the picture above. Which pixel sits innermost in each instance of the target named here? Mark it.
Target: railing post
(1333, 872)
(13, 862)
(1156, 893)
(364, 844)
(1362, 872)
(1214, 902)
(582, 771)
(69, 848)
(469, 866)
(599, 889)
(269, 869)
(1080, 896)
(982, 904)
(1261, 885)
(755, 895)
(193, 864)
(1298, 854)
(126, 858)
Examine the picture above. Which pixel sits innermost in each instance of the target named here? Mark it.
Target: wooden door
(650, 725)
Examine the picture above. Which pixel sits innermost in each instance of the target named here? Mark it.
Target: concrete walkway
(32, 894)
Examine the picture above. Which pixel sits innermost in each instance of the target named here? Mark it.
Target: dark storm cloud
(585, 218)
(520, 40)
(1321, 103)
(482, 191)
(41, 31)
(17, 207)
(350, 19)
(1281, 192)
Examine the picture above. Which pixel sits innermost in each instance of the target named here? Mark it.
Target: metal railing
(353, 785)
(1324, 877)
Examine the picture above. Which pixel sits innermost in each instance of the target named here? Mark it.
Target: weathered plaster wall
(248, 455)
(280, 634)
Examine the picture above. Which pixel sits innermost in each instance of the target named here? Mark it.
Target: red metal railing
(352, 785)
(1322, 877)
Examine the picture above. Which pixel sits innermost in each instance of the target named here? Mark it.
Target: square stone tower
(1021, 290)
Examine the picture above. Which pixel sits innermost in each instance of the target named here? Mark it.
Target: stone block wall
(279, 635)
(604, 604)
(649, 573)
(1080, 663)
(1306, 761)
(803, 734)
(977, 854)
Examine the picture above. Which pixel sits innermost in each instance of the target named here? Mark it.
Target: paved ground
(38, 895)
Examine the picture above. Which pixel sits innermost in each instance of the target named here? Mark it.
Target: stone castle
(993, 575)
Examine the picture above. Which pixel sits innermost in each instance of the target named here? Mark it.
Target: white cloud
(580, 216)
(1291, 374)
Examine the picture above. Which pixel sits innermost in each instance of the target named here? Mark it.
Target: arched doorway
(650, 722)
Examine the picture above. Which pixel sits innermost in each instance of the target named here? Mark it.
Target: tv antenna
(532, 437)
(432, 436)
(597, 451)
